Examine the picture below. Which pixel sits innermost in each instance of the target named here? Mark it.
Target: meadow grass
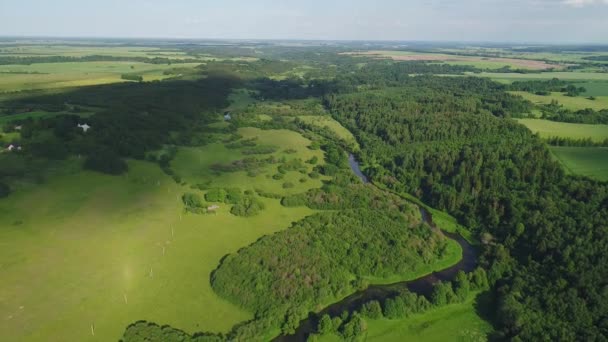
(87, 249)
(547, 129)
(72, 74)
(569, 102)
(586, 161)
(454, 322)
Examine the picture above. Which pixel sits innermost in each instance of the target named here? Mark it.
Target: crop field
(72, 74)
(120, 249)
(586, 161)
(480, 62)
(39, 50)
(548, 129)
(569, 102)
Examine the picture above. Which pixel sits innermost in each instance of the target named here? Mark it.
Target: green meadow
(547, 129)
(569, 102)
(587, 161)
(84, 254)
(454, 322)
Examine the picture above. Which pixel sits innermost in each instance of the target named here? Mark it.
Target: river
(421, 286)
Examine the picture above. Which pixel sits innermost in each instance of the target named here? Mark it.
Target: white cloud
(582, 3)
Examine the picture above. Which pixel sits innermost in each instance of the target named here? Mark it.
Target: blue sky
(437, 20)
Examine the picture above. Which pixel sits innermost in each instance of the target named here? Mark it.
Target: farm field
(41, 50)
(104, 239)
(454, 322)
(548, 129)
(586, 161)
(479, 62)
(71, 74)
(565, 76)
(569, 102)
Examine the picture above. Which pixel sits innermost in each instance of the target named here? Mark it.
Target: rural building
(227, 116)
(213, 208)
(18, 128)
(13, 147)
(84, 127)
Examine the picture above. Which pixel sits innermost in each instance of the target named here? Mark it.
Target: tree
(4, 190)
(443, 294)
(106, 162)
(325, 325)
(461, 286)
(372, 309)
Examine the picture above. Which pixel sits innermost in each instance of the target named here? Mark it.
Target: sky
(537, 21)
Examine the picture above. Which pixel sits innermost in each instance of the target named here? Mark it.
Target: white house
(85, 127)
(227, 116)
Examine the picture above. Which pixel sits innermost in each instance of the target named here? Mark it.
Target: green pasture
(587, 161)
(72, 74)
(193, 163)
(594, 88)
(547, 129)
(569, 102)
(85, 253)
(454, 322)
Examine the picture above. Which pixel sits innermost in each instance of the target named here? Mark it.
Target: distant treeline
(583, 142)
(546, 87)
(8, 60)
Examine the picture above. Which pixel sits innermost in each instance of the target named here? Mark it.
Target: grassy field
(587, 161)
(548, 129)
(87, 250)
(193, 164)
(38, 50)
(72, 74)
(455, 322)
(594, 88)
(569, 102)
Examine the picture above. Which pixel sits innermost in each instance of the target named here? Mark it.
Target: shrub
(248, 206)
(233, 196)
(215, 195)
(288, 185)
(278, 176)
